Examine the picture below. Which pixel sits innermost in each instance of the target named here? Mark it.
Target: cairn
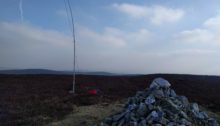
(159, 106)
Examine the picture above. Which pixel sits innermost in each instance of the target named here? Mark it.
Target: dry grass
(89, 115)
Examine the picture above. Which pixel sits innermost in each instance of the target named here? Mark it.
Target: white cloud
(114, 36)
(182, 53)
(193, 61)
(32, 34)
(192, 52)
(156, 14)
(208, 33)
(162, 14)
(27, 46)
(213, 23)
(196, 36)
(109, 36)
(132, 10)
(106, 38)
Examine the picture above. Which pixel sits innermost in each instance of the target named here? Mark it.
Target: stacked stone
(159, 106)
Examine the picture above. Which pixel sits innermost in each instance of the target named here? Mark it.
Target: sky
(119, 36)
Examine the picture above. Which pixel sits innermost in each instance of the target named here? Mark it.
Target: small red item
(92, 91)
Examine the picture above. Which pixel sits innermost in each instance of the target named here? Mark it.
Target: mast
(74, 46)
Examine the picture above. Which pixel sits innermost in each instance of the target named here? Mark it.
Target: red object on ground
(92, 91)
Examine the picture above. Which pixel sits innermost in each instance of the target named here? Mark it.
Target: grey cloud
(26, 46)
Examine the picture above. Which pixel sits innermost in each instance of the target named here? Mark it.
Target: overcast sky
(133, 36)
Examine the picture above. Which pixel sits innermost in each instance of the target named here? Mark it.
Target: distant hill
(54, 72)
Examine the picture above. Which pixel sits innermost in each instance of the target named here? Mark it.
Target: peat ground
(40, 99)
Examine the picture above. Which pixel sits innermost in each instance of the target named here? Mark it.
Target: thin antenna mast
(74, 46)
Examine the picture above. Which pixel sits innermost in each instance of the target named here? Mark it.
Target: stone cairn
(159, 106)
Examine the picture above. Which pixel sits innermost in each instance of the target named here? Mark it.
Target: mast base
(72, 92)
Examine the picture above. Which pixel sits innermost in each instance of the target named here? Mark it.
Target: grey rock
(149, 100)
(183, 114)
(150, 107)
(133, 124)
(172, 93)
(198, 114)
(157, 124)
(183, 100)
(160, 112)
(154, 114)
(121, 122)
(171, 124)
(154, 85)
(195, 111)
(151, 117)
(143, 122)
(159, 106)
(166, 92)
(142, 109)
(127, 115)
(160, 82)
(184, 122)
(164, 121)
(212, 122)
(158, 93)
(201, 115)
(177, 102)
(118, 116)
(132, 107)
(171, 106)
(205, 114)
(133, 117)
(149, 121)
(195, 107)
